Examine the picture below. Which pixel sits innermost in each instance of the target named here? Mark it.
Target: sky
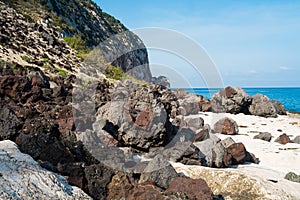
(251, 43)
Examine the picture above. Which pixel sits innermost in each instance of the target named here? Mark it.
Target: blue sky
(252, 43)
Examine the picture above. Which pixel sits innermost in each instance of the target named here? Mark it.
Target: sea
(288, 96)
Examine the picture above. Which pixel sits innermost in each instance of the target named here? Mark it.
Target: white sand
(276, 160)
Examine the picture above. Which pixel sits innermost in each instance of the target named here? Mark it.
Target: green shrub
(61, 72)
(114, 73)
(45, 60)
(76, 42)
(26, 58)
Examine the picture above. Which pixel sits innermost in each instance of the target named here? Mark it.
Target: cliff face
(80, 20)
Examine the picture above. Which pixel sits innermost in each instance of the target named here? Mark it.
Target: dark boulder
(231, 100)
(194, 123)
(188, 188)
(159, 171)
(202, 133)
(9, 124)
(40, 138)
(98, 177)
(124, 186)
(189, 103)
(226, 126)
(283, 139)
(237, 154)
(262, 106)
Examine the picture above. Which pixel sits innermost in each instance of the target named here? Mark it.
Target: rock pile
(231, 100)
(191, 103)
(236, 100)
(96, 152)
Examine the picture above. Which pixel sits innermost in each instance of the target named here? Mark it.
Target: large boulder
(279, 107)
(123, 186)
(222, 153)
(142, 129)
(160, 171)
(187, 188)
(194, 123)
(237, 154)
(24, 178)
(262, 106)
(139, 117)
(98, 177)
(231, 100)
(226, 126)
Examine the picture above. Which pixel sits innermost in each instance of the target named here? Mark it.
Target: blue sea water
(290, 97)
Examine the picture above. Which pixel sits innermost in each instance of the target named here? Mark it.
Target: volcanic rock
(264, 136)
(190, 188)
(291, 176)
(262, 106)
(297, 139)
(226, 126)
(23, 178)
(283, 139)
(231, 100)
(160, 171)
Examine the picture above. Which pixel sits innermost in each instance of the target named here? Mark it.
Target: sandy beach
(276, 160)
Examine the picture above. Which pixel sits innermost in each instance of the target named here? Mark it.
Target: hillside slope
(57, 35)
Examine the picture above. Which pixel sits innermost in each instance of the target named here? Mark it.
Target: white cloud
(284, 68)
(253, 72)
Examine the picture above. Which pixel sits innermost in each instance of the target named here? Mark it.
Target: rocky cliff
(53, 35)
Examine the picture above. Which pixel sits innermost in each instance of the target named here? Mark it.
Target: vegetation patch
(114, 73)
(26, 58)
(61, 72)
(76, 42)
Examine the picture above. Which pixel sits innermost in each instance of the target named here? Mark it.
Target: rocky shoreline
(127, 145)
(69, 131)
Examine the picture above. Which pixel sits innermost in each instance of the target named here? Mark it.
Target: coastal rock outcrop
(226, 126)
(24, 178)
(231, 100)
(223, 153)
(262, 106)
(162, 81)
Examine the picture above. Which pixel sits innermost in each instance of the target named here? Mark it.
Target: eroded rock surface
(23, 178)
